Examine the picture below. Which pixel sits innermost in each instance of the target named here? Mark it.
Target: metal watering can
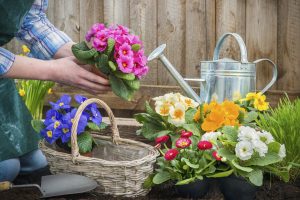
(220, 78)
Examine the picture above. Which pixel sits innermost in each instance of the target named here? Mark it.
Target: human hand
(68, 71)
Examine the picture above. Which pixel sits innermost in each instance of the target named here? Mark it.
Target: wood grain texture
(91, 12)
(171, 30)
(65, 16)
(117, 12)
(143, 22)
(288, 45)
(195, 37)
(230, 17)
(261, 37)
(210, 28)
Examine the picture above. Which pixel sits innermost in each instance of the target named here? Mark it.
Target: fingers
(94, 78)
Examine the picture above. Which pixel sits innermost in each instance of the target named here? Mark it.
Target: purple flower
(99, 45)
(125, 50)
(80, 99)
(50, 133)
(125, 64)
(96, 116)
(51, 116)
(66, 132)
(123, 29)
(62, 103)
(69, 118)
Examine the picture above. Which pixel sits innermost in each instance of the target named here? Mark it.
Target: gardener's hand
(68, 71)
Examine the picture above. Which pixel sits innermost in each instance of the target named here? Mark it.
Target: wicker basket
(122, 167)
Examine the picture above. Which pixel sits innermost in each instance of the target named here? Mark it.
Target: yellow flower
(22, 92)
(50, 91)
(25, 49)
(251, 95)
(260, 103)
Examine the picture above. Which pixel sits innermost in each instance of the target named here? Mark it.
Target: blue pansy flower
(96, 115)
(52, 116)
(50, 133)
(69, 117)
(79, 99)
(66, 132)
(62, 103)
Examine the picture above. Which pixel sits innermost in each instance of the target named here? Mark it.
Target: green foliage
(123, 85)
(37, 125)
(136, 47)
(283, 123)
(95, 127)
(85, 142)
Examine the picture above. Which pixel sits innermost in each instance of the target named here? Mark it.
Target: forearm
(30, 68)
(64, 51)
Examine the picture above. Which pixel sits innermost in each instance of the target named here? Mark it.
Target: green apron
(17, 136)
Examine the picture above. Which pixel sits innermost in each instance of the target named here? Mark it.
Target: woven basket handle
(114, 128)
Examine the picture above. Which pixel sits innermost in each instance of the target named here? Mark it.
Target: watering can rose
(116, 53)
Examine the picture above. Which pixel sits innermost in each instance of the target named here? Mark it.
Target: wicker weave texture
(115, 177)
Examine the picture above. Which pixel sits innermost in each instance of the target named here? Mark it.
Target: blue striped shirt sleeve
(6, 60)
(39, 34)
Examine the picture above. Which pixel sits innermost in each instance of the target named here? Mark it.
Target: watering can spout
(158, 53)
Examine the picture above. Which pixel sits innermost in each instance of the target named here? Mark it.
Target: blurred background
(190, 28)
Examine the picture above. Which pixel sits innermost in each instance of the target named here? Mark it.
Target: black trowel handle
(5, 185)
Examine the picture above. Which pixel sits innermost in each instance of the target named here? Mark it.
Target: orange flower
(214, 120)
(231, 110)
(197, 115)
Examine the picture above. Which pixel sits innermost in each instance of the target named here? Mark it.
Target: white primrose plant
(247, 153)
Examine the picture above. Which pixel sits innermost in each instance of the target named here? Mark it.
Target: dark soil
(276, 190)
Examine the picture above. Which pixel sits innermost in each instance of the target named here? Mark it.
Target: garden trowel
(58, 185)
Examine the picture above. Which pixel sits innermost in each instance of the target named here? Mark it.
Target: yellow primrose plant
(33, 92)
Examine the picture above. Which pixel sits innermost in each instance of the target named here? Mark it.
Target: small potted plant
(56, 128)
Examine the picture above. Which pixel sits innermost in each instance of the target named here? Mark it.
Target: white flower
(282, 151)
(260, 147)
(244, 150)
(158, 99)
(265, 136)
(172, 98)
(163, 108)
(188, 102)
(210, 136)
(177, 114)
(247, 133)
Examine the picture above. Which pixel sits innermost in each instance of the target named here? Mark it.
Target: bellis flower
(171, 154)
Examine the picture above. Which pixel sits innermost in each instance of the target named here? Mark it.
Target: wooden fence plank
(230, 17)
(288, 45)
(261, 37)
(65, 15)
(210, 20)
(143, 22)
(91, 12)
(195, 37)
(117, 12)
(171, 30)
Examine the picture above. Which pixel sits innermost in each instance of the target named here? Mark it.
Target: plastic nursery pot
(234, 187)
(196, 189)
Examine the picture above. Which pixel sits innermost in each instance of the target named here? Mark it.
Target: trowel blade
(64, 184)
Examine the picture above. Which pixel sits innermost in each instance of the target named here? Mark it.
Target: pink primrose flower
(125, 50)
(125, 64)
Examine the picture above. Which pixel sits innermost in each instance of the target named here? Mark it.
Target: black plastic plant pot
(196, 189)
(234, 188)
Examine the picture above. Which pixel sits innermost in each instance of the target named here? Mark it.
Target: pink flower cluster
(128, 61)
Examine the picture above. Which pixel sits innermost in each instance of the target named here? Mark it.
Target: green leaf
(112, 66)
(85, 142)
(135, 47)
(194, 166)
(102, 64)
(83, 53)
(274, 147)
(186, 181)
(161, 177)
(284, 174)
(134, 84)
(110, 46)
(103, 126)
(230, 133)
(148, 182)
(37, 125)
(146, 118)
(256, 177)
(226, 153)
(221, 174)
(193, 128)
(93, 126)
(149, 131)
(189, 115)
(268, 159)
(250, 116)
(245, 169)
(129, 77)
(162, 133)
(119, 88)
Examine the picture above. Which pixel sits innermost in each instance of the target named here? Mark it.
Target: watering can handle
(239, 40)
(275, 73)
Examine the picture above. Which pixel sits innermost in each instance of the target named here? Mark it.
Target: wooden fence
(190, 28)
